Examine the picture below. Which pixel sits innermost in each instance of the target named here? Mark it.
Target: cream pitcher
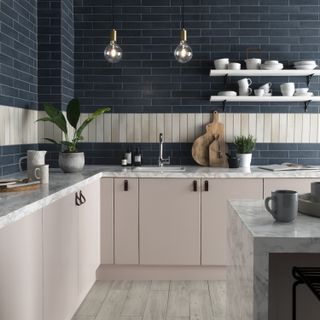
(34, 159)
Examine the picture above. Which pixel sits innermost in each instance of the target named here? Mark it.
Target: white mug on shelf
(266, 87)
(259, 92)
(245, 82)
(245, 92)
(234, 66)
(42, 173)
(287, 89)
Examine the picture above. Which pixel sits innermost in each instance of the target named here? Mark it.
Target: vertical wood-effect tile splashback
(186, 127)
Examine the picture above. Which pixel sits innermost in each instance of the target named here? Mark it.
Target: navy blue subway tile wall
(180, 153)
(56, 52)
(10, 155)
(148, 79)
(18, 53)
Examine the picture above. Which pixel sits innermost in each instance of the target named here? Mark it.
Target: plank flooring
(154, 300)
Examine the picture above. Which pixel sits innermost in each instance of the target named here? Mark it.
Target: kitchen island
(256, 244)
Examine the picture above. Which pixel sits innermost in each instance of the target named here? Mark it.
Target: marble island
(253, 238)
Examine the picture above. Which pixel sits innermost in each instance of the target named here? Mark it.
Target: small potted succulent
(70, 160)
(245, 145)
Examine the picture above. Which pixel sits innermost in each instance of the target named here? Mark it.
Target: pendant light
(113, 52)
(183, 52)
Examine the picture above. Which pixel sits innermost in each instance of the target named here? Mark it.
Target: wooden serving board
(214, 136)
(20, 186)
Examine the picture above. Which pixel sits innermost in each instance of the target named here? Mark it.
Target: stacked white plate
(305, 65)
(272, 65)
(227, 93)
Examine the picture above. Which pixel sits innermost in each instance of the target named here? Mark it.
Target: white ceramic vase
(71, 162)
(245, 159)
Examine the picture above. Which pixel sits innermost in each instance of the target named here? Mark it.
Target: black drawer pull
(126, 185)
(195, 185)
(77, 200)
(82, 198)
(206, 185)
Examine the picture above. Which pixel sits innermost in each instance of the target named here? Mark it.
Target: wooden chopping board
(200, 148)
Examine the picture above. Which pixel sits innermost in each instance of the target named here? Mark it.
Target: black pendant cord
(182, 15)
(112, 11)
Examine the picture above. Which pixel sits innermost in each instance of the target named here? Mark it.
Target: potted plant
(70, 160)
(245, 145)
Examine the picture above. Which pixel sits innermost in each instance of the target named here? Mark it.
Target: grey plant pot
(71, 162)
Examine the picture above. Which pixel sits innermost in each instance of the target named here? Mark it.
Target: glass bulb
(183, 52)
(113, 52)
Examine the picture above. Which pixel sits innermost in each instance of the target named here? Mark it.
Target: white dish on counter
(307, 206)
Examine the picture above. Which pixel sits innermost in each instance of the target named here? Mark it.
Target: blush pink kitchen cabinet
(299, 185)
(71, 246)
(89, 238)
(21, 278)
(169, 221)
(107, 221)
(126, 216)
(60, 247)
(215, 196)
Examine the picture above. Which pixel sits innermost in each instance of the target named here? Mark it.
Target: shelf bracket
(306, 105)
(309, 78)
(226, 79)
(224, 105)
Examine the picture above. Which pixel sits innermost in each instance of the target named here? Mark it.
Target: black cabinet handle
(206, 185)
(126, 185)
(195, 185)
(77, 200)
(82, 198)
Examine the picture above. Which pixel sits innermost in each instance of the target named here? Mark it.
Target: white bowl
(271, 62)
(227, 93)
(278, 66)
(221, 64)
(302, 90)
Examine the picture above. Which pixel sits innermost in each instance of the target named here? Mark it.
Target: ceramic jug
(34, 159)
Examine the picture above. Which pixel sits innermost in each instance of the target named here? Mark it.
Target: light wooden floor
(154, 300)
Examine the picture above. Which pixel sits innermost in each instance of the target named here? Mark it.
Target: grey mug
(315, 191)
(284, 206)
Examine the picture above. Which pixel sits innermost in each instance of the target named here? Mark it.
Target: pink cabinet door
(214, 213)
(106, 228)
(60, 232)
(299, 185)
(89, 237)
(126, 221)
(21, 278)
(169, 222)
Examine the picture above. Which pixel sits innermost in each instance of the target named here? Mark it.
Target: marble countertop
(261, 224)
(14, 206)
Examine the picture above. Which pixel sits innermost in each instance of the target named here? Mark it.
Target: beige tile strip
(18, 126)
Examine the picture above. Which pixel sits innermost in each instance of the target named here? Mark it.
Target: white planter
(71, 162)
(245, 159)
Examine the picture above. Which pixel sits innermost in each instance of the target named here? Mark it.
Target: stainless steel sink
(159, 169)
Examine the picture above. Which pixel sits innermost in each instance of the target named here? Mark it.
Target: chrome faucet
(162, 160)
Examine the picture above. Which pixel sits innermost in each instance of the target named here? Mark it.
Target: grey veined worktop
(252, 236)
(14, 206)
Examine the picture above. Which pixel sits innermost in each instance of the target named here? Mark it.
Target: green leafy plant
(245, 144)
(73, 115)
